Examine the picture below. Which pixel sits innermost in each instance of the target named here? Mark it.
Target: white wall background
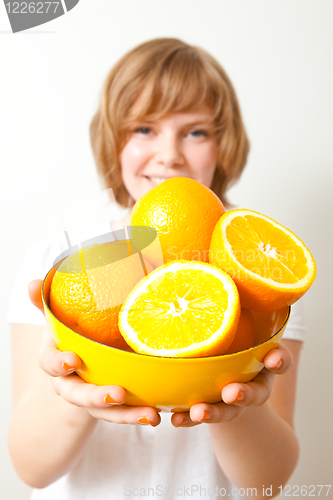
(279, 57)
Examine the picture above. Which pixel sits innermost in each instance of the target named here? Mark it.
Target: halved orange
(182, 309)
(270, 265)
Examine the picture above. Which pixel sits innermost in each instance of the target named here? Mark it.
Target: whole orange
(184, 213)
(90, 286)
(245, 334)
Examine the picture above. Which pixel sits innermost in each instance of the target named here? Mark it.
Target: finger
(183, 419)
(79, 393)
(254, 393)
(279, 360)
(143, 415)
(206, 413)
(35, 294)
(103, 401)
(53, 361)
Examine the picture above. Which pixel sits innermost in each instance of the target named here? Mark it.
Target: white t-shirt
(124, 461)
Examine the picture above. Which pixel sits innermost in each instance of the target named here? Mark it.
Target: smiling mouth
(159, 180)
(156, 180)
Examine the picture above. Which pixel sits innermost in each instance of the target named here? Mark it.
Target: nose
(169, 150)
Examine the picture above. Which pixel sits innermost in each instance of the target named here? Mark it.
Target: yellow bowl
(168, 384)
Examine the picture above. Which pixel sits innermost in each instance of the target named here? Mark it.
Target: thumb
(35, 294)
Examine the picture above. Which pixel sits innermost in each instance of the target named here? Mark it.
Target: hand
(102, 402)
(237, 396)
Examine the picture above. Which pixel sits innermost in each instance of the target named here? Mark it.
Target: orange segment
(270, 265)
(267, 249)
(182, 309)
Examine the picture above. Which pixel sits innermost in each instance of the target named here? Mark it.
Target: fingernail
(68, 367)
(183, 422)
(206, 416)
(144, 421)
(278, 364)
(239, 397)
(110, 401)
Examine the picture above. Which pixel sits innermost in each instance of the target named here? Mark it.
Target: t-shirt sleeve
(37, 261)
(295, 329)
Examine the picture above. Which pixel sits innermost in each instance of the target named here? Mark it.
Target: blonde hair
(169, 76)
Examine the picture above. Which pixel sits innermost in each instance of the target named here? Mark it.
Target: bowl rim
(188, 359)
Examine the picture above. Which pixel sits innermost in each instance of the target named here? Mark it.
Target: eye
(143, 130)
(199, 133)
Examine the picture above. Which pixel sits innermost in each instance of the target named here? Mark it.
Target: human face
(176, 145)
